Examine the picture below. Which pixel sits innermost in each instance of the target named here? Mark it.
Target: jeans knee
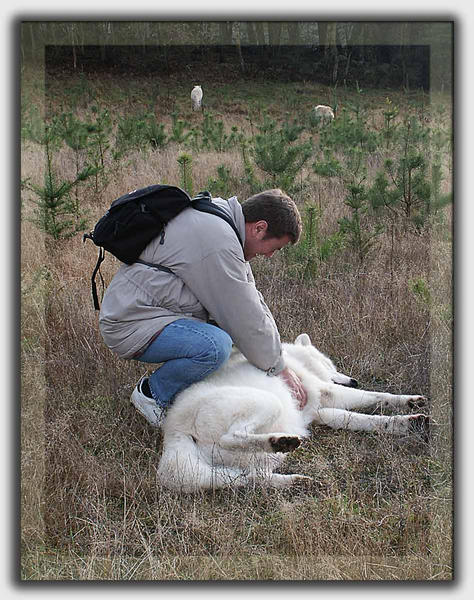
(216, 350)
(223, 347)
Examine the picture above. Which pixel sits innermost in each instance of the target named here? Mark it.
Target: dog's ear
(303, 340)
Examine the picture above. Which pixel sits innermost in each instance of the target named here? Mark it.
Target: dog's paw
(285, 443)
(303, 480)
(420, 424)
(416, 402)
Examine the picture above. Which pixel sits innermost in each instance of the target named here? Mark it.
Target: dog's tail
(183, 468)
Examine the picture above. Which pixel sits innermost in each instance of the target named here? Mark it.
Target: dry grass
(379, 508)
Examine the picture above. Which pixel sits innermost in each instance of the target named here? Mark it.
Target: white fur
(324, 112)
(196, 97)
(234, 426)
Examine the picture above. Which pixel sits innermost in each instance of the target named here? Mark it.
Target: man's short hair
(278, 210)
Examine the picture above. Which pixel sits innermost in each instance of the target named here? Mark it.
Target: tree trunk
(322, 34)
(236, 37)
(226, 32)
(260, 33)
(251, 33)
(274, 30)
(294, 33)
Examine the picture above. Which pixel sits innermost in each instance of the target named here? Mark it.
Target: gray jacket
(211, 281)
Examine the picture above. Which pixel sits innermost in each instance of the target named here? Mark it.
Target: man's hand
(296, 387)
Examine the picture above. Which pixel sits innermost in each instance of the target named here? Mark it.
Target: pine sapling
(56, 214)
(360, 234)
(185, 162)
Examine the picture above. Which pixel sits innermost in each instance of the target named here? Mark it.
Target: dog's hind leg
(263, 442)
(245, 433)
(183, 468)
(342, 379)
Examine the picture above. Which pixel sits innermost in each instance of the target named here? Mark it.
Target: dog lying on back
(234, 427)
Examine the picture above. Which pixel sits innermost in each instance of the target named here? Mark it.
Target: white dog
(233, 427)
(324, 112)
(196, 97)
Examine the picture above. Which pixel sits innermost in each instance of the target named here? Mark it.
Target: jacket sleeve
(221, 284)
(251, 279)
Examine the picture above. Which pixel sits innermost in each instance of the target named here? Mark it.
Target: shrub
(214, 136)
(312, 249)
(178, 130)
(57, 214)
(277, 154)
(360, 234)
(409, 186)
(224, 185)
(131, 133)
(154, 133)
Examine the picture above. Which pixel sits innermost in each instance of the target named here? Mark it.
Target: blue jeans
(190, 350)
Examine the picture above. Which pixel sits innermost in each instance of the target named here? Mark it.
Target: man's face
(257, 244)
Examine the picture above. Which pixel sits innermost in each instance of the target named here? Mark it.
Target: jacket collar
(234, 209)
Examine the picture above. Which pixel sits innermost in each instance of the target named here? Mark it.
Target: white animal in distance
(234, 427)
(196, 97)
(324, 112)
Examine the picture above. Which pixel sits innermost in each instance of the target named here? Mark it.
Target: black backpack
(136, 218)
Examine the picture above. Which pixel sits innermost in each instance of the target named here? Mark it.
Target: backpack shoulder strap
(203, 203)
(94, 285)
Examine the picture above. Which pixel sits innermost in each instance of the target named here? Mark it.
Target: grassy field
(380, 508)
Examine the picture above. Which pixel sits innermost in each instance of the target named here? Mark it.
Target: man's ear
(260, 229)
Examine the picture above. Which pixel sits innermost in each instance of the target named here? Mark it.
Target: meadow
(370, 282)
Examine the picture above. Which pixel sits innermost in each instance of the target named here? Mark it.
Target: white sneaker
(146, 406)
